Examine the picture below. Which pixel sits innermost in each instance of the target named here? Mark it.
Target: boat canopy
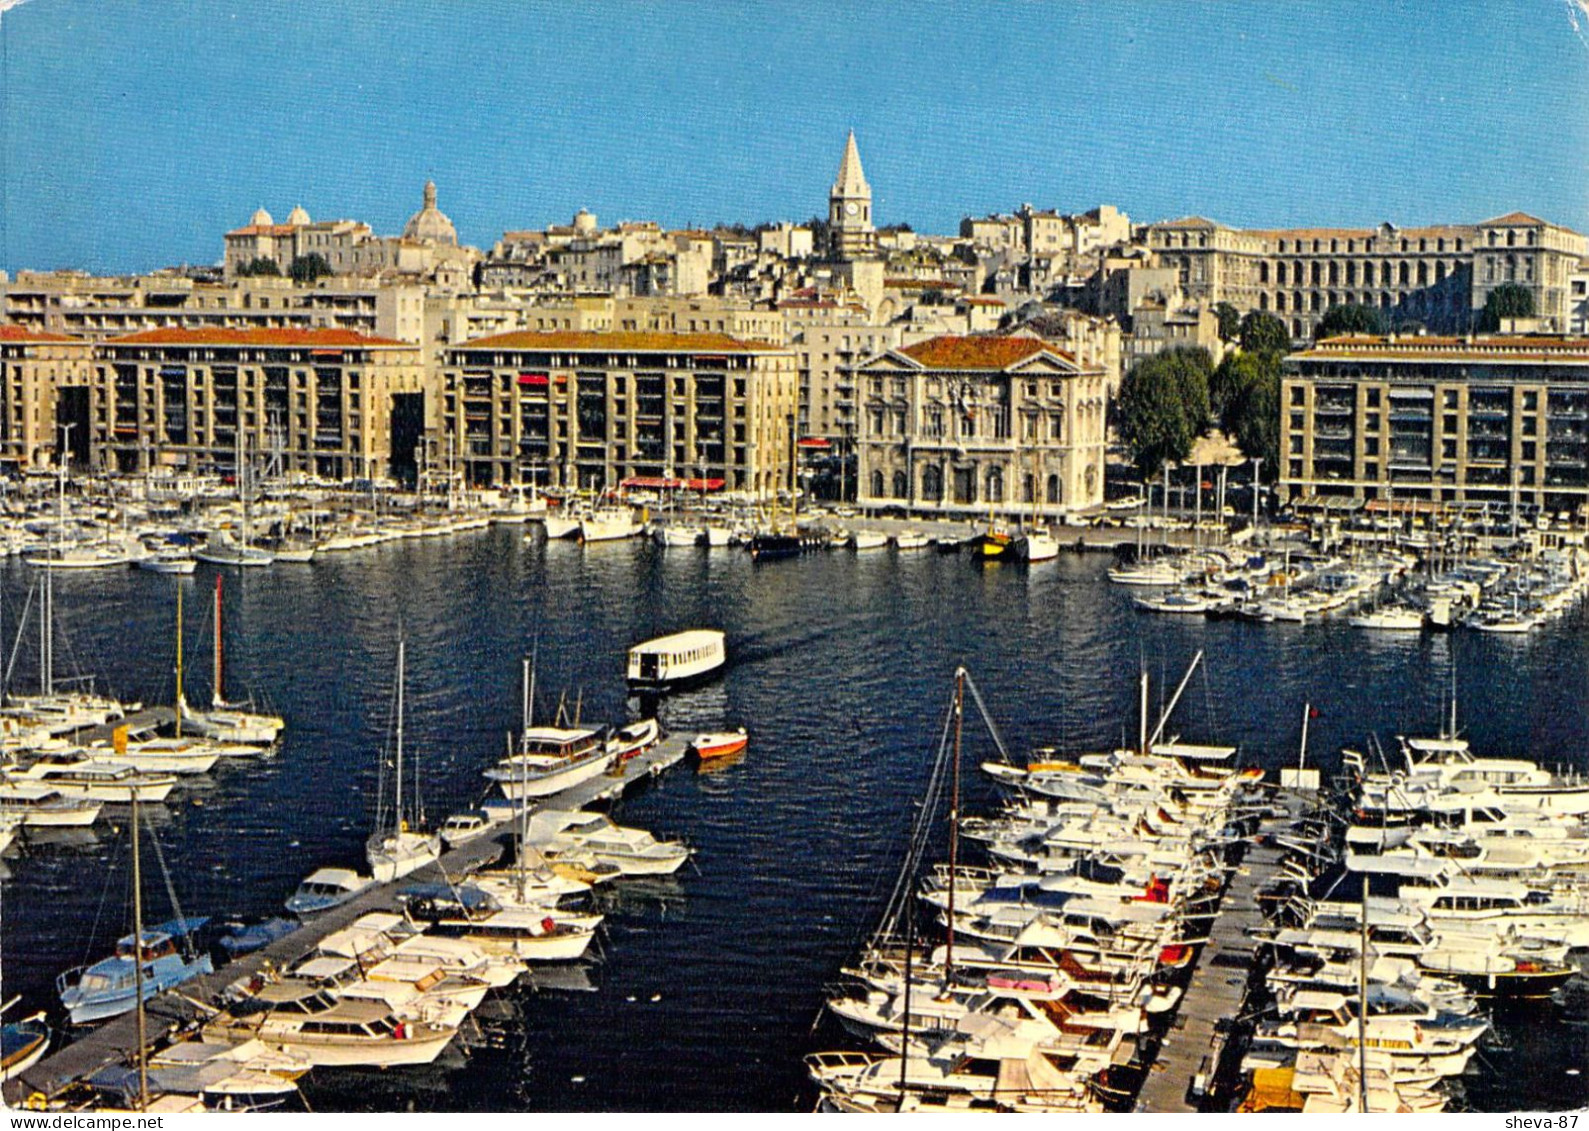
(344, 878)
(1193, 751)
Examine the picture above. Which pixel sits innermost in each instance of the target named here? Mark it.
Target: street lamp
(1257, 462)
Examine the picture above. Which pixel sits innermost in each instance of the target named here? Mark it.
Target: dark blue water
(841, 668)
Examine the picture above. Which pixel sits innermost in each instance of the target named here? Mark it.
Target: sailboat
(221, 548)
(224, 721)
(147, 962)
(397, 851)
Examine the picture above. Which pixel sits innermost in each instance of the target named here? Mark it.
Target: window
(995, 485)
(1053, 489)
(877, 484)
(901, 484)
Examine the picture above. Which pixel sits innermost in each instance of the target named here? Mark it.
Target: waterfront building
(44, 380)
(1486, 419)
(1436, 276)
(974, 427)
(325, 402)
(589, 410)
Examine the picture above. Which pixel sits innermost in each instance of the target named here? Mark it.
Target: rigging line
(17, 646)
(99, 912)
(171, 890)
(987, 718)
(904, 882)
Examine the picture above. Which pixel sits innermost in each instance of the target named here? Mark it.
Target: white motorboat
(1160, 572)
(461, 828)
(1037, 546)
(609, 524)
(180, 756)
(868, 540)
(561, 525)
(635, 851)
(718, 536)
(312, 1023)
(221, 549)
(675, 535)
(551, 759)
(39, 806)
(911, 540)
(76, 776)
(1176, 602)
(173, 561)
(1394, 618)
(677, 661)
(324, 889)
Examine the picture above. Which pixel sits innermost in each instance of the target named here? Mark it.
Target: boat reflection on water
(719, 764)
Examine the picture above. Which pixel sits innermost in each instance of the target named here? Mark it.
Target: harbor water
(840, 666)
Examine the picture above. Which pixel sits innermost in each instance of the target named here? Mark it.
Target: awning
(533, 379)
(660, 483)
(814, 443)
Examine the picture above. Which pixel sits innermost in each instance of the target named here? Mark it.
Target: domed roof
(261, 219)
(430, 223)
(298, 217)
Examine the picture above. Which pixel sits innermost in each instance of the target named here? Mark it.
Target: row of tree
(303, 268)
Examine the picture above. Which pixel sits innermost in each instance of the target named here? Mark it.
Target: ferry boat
(676, 661)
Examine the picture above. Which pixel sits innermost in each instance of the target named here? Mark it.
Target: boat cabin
(673, 661)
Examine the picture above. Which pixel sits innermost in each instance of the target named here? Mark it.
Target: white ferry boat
(680, 660)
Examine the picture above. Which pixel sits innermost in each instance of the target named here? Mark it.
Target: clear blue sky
(133, 134)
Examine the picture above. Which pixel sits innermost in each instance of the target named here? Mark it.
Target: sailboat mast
(1302, 757)
(401, 644)
(1142, 712)
(137, 962)
(216, 695)
(954, 828)
(1362, 1003)
(179, 659)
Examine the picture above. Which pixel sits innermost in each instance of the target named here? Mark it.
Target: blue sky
(133, 134)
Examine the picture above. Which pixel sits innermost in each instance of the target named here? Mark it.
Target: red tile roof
(950, 352)
(320, 338)
(576, 341)
(10, 333)
(1517, 218)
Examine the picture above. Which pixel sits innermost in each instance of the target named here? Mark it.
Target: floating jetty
(1190, 1054)
(116, 1041)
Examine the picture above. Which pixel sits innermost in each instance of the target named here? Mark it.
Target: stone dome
(430, 224)
(261, 219)
(298, 217)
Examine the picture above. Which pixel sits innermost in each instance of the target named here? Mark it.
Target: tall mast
(1142, 712)
(179, 659)
(401, 643)
(954, 828)
(1362, 1003)
(137, 961)
(1302, 757)
(216, 697)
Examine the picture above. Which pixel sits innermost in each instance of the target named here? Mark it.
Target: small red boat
(720, 745)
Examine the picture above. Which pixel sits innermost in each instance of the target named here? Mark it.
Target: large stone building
(970, 427)
(1451, 420)
(587, 410)
(1435, 276)
(44, 382)
(428, 246)
(324, 402)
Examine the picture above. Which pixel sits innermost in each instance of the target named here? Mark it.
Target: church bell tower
(851, 234)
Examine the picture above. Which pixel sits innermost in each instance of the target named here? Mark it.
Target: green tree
(1262, 332)
(1164, 407)
(1349, 318)
(260, 266)
(1236, 371)
(1251, 412)
(307, 268)
(1229, 321)
(1509, 300)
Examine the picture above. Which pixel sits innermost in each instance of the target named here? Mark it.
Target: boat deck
(115, 1040)
(1189, 1054)
(146, 721)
